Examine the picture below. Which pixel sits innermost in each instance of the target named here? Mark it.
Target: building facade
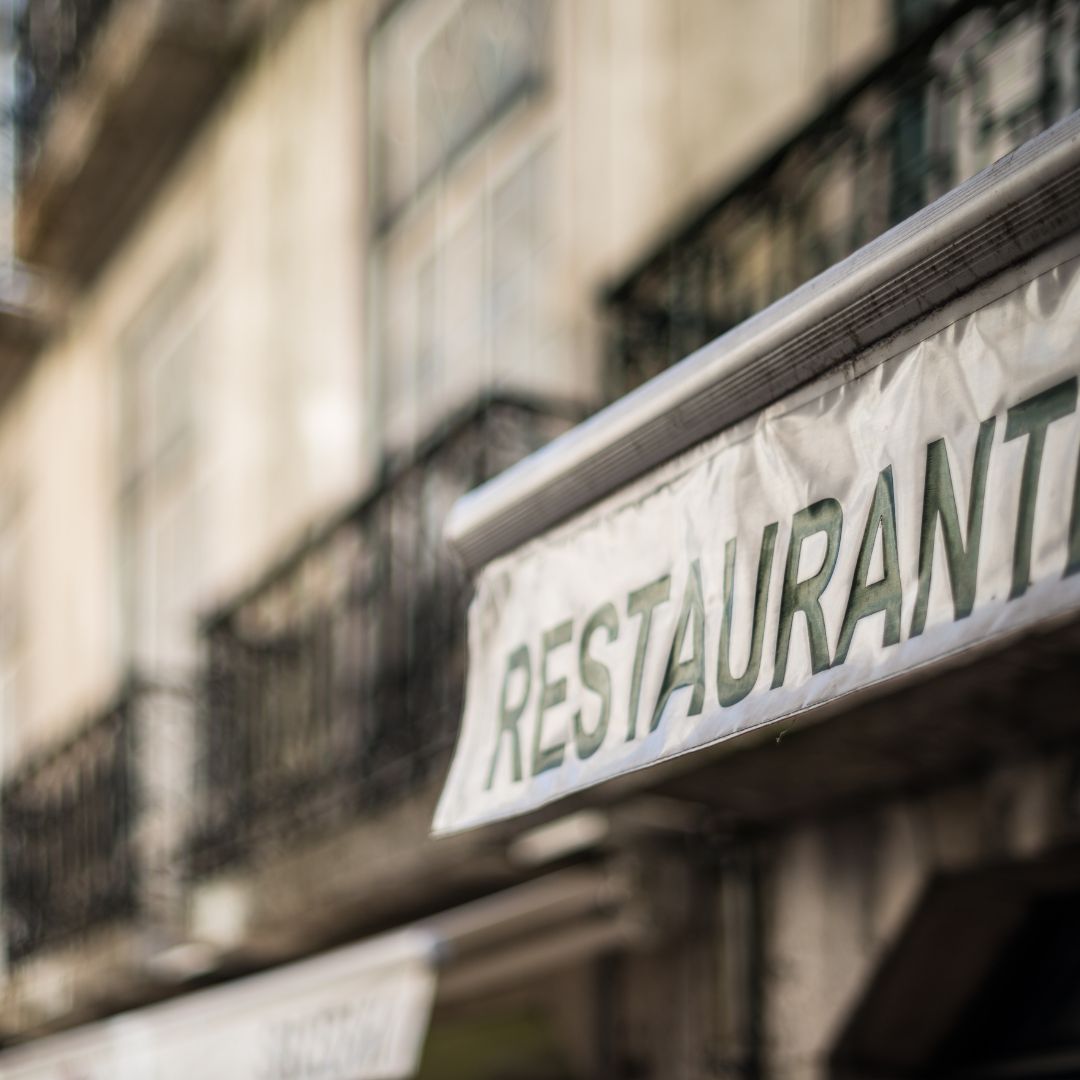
(286, 279)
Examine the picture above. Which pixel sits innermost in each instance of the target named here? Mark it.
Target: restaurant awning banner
(360, 1013)
(893, 515)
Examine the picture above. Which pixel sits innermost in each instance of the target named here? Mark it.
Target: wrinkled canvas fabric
(893, 515)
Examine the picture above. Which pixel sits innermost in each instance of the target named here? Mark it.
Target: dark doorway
(983, 983)
(1025, 1020)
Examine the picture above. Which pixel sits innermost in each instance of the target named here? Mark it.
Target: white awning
(748, 546)
(360, 1012)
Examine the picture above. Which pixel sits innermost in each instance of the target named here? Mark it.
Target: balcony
(92, 890)
(333, 687)
(69, 856)
(962, 92)
(307, 714)
(110, 92)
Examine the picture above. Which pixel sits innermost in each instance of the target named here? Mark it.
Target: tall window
(158, 513)
(464, 173)
(443, 72)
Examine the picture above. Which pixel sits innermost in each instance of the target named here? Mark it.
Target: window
(522, 240)
(465, 245)
(443, 72)
(475, 305)
(158, 538)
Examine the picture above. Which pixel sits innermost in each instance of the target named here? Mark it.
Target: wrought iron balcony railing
(69, 862)
(966, 89)
(334, 687)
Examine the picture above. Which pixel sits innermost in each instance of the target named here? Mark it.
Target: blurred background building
(279, 280)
